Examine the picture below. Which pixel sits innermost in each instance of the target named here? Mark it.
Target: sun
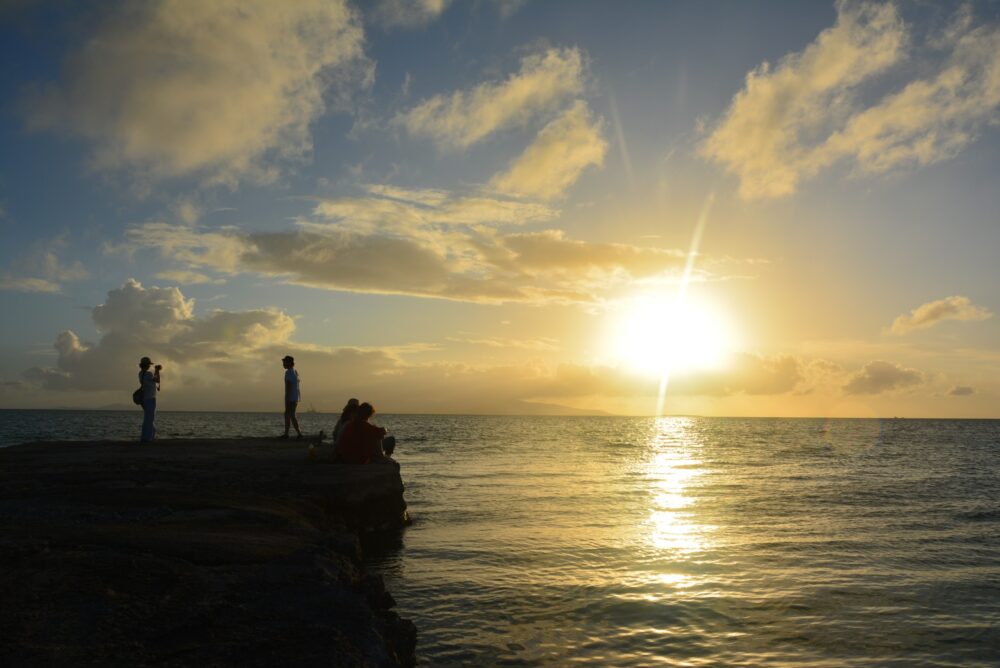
(658, 334)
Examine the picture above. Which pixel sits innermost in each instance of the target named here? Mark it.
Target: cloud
(160, 322)
(187, 277)
(28, 284)
(39, 269)
(563, 149)
(153, 314)
(474, 266)
(543, 344)
(961, 391)
(425, 243)
(929, 120)
(551, 250)
(747, 373)
(879, 376)
(229, 360)
(407, 13)
(794, 120)
(410, 210)
(219, 89)
(463, 118)
(931, 313)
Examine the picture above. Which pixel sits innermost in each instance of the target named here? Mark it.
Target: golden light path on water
(672, 471)
(699, 230)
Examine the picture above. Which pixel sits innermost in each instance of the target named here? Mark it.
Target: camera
(158, 367)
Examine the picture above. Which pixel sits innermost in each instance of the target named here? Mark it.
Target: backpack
(137, 397)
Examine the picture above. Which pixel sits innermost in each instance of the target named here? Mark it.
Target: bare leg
(291, 419)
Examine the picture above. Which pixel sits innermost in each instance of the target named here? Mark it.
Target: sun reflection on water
(672, 473)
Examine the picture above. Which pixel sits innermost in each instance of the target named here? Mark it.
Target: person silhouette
(346, 415)
(292, 395)
(149, 381)
(361, 442)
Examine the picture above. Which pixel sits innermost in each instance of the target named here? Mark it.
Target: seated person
(346, 415)
(361, 442)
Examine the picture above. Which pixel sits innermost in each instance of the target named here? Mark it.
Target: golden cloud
(465, 117)
(932, 313)
(880, 376)
(792, 121)
(563, 149)
(177, 87)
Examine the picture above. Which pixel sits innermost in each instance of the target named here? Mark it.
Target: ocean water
(674, 541)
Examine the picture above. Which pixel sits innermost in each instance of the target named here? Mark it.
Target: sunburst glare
(656, 334)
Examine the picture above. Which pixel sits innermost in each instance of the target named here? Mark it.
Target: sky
(510, 207)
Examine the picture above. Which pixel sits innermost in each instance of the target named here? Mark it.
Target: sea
(673, 541)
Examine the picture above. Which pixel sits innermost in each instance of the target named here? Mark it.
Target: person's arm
(288, 389)
(156, 378)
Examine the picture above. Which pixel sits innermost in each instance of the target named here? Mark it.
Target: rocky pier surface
(201, 552)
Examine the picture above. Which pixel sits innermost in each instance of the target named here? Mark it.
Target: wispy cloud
(188, 277)
(216, 89)
(426, 243)
(405, 210)
(962, 391)
(407, 13)
(932, 313)
(463, 118)
(802, 116)
(504, 342)
(563, 149)
(40, 269)
(28, 284)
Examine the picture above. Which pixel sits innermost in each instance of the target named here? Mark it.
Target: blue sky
(466, 207)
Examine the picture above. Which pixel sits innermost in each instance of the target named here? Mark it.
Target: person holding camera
(149, 381)
(292, 395)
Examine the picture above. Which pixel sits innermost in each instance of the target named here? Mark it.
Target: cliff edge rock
(194, 552)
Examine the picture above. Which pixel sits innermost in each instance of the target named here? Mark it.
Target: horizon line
(558, 415)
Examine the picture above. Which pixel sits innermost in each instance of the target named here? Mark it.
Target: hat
(145, 361)
(287, 358)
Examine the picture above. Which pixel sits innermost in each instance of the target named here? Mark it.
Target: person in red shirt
(361, 442)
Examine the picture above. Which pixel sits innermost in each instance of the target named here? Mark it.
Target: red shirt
(360, 442)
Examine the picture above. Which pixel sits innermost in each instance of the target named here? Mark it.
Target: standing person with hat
(292, 395)
(149, 381)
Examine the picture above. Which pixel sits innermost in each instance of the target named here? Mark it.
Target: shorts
(290, 407)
